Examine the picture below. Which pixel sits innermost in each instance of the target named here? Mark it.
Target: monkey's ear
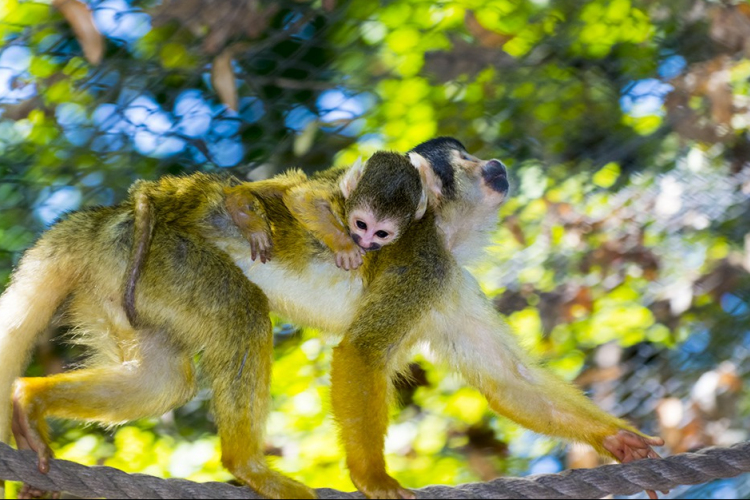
(432, 186)
(351, 178)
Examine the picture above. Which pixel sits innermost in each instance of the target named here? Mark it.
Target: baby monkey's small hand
(350, 257)
(249, 216)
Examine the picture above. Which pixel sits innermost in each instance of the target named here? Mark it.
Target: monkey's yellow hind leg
(213, 308)
(241, 399)
(30, 433)
(241, 377)
(157, 379)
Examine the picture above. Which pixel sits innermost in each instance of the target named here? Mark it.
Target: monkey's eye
(382, 234)
(466, 156)
(361, 225)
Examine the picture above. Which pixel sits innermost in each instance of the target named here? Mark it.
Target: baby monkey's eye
(361, 225)
(382, 234)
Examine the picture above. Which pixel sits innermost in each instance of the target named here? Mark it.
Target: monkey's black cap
(438, 152)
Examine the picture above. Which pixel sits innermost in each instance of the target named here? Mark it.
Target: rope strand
(619, 479)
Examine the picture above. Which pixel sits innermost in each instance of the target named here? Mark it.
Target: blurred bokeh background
(622, 258)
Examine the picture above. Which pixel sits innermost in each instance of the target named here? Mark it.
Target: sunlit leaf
(607, 175)
(304, 141)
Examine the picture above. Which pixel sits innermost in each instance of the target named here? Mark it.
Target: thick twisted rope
(623, 479)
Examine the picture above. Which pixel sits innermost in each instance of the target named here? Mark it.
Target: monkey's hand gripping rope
(624, 479)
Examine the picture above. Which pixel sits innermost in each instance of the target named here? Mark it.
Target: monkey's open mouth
(495, 175)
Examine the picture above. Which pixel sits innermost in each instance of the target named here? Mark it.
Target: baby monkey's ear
(351, 178)
(432, 186)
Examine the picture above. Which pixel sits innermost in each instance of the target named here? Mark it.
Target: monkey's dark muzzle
(495, 175)
(358, 240)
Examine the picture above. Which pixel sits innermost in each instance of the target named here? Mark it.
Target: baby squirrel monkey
(378, 199)
(368, 208)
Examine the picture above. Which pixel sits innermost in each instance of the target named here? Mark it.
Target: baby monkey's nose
(365, 243)
(496, 175)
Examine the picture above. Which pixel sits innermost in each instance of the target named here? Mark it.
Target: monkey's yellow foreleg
(470, 335)
(359, 395)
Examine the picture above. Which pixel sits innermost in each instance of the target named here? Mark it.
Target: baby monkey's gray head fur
(390, 186)
(383, 197)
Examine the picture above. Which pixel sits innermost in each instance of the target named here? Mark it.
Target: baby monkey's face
(370, 232)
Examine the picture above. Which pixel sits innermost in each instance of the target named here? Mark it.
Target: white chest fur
(322, 296)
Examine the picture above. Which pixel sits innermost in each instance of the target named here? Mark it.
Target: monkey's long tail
(39, 285)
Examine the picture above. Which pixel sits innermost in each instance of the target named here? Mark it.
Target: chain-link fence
(623, 255)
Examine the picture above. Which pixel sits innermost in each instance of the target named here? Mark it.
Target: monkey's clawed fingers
(260, 246)
(29, 492)
(27, 438)
(384, 488)
(349, 259)
(627, 446)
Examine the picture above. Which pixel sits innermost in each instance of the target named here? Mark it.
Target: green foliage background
(623, 255)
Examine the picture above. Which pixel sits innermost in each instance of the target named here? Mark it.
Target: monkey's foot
(29, 437)
(29, 492)
(272, 484)
(627, 446)
(384, 486)
(260, 245)
(349, 259)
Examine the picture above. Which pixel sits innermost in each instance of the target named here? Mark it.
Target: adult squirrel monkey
(191, 295)
(142, 363)
(414, 291)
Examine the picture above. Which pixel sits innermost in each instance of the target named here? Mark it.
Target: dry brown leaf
(485, 37)
(223, 80)
(597, 375)
(723, 278)
(22, 109)
(720, 93)
(514, 226)
(708, 80)
(81, 20)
